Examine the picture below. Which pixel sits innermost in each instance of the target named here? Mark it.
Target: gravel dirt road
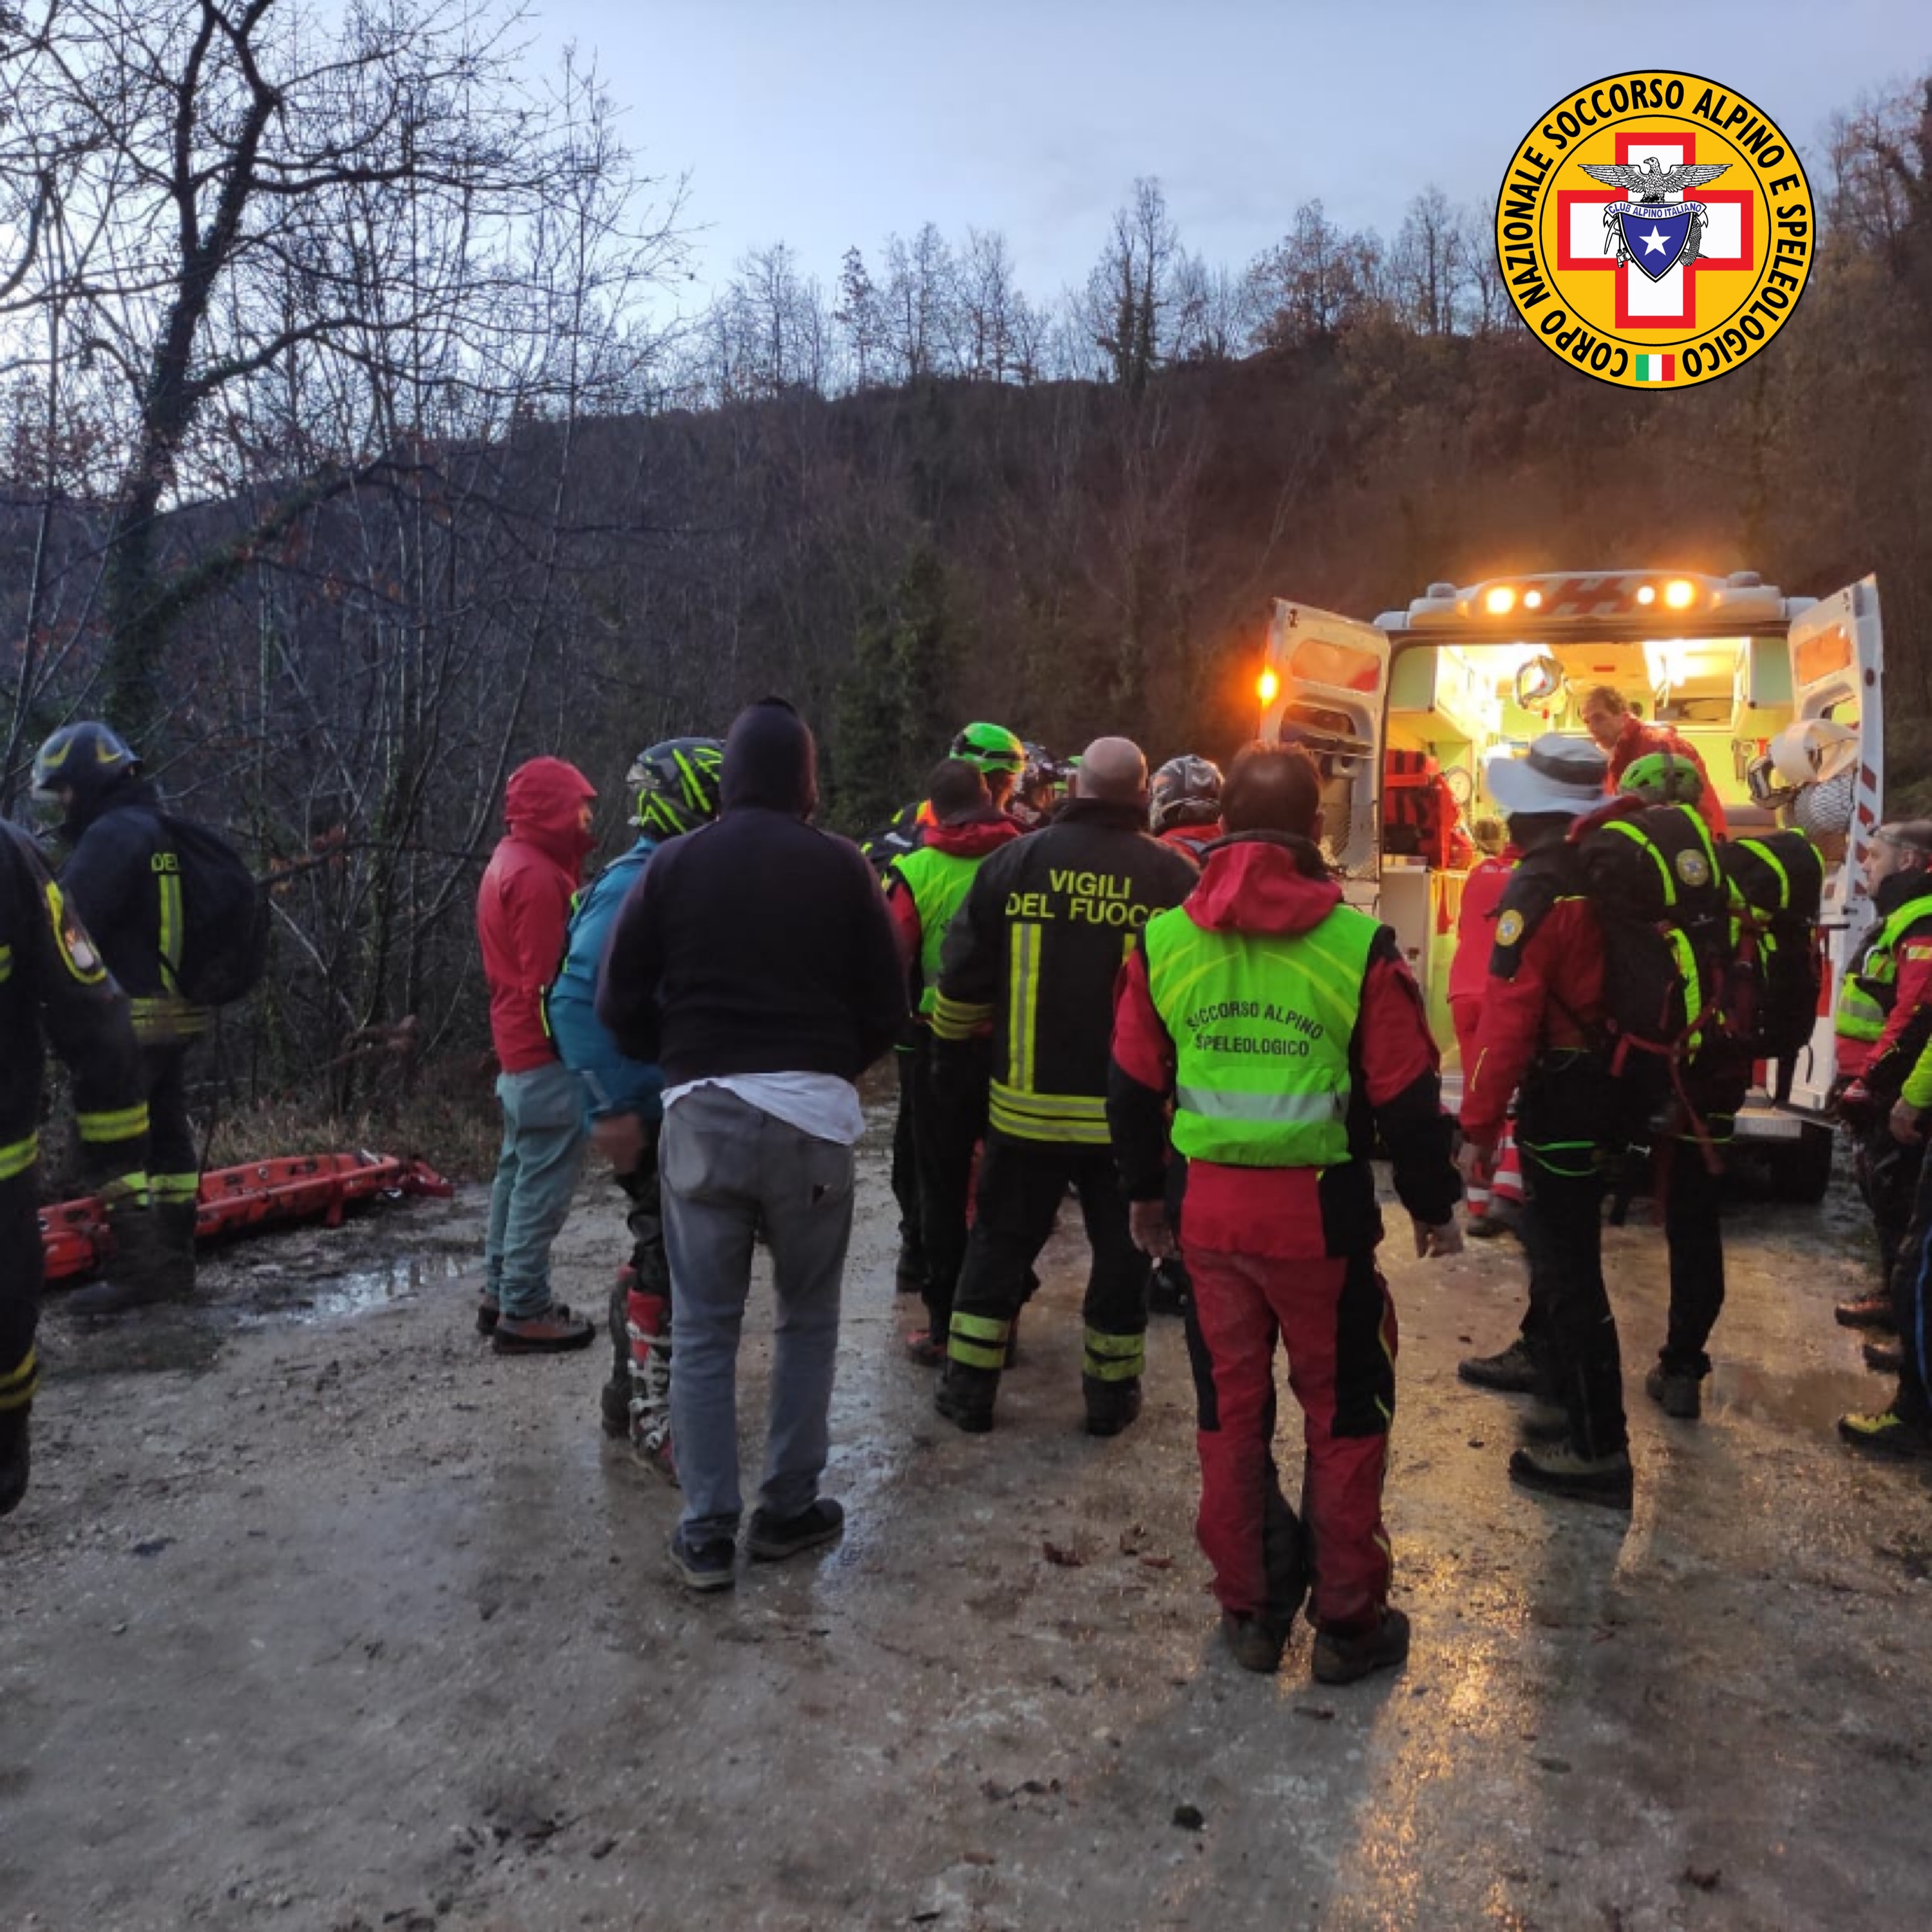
(319, 1615)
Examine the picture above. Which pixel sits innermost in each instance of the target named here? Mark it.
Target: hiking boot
(487, 1315)
(1111, 1406)
(771, 1539)
(148, 1268)
(1676, 1392)
(1341, 1657)
(1544, 1422)
(1558, 1471)
(1888, 1433)
(1512, 1372)
(16, 1456)
(926, 1347)
(1168, 1289)
(1884, 1358)
(965, 1396)
(1255, 1642)
(1869, 1311)
(711, 1565)
(550, 1331)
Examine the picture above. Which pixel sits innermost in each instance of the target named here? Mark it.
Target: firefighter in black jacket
(50, 973)
(1036, 950)
(122, 879)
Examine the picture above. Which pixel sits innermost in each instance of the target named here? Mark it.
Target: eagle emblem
(1650, 231)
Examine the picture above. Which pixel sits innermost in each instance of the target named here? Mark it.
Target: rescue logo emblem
(77, 949)
(1509, 928)
(1693, 869)
(1654, 230)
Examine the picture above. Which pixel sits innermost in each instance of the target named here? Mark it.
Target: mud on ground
(319, 1615)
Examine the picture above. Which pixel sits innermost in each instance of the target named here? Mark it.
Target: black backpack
(1776, 884)
(224, 945)
(1655, 879)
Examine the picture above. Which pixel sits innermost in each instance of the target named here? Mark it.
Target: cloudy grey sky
(824, 123)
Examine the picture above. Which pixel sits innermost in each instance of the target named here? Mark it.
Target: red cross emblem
(1671, 302)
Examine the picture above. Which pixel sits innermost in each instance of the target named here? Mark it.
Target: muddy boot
(146, 1269)
(1111, 1406)
(1346, 1657)
(614, 1398)
(1512, 1372)
(15, 1456)
(1676, 1391)
(647, 1329)
(1559, 1471)
(966, 1396)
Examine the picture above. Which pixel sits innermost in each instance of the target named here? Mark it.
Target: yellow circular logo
(1509, 928)
(1654, 230)
(1693, 869)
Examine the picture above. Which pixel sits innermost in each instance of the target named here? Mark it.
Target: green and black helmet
(1662, 778)
(678, 785)
(991, 747)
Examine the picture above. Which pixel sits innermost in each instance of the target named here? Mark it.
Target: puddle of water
(1810, 1401)
(338, 1297)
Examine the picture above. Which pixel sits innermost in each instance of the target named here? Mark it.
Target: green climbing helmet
(678, 785)
(1662, 778)
(991, 747)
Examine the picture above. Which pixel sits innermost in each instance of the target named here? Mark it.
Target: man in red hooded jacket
(1289, 1033)
(523, 909)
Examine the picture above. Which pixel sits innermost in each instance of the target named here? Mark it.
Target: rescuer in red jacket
(522, 910)
(1289, 1033)
(1541, 1040)
(1624, 738)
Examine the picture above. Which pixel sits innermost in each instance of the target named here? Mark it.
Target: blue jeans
(543, 1112)
(727, 1168)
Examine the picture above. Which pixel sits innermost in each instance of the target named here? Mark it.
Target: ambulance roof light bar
(1557, 600)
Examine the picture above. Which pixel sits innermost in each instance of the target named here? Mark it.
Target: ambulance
(1403, 714)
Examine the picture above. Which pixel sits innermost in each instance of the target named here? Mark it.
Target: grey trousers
(727, 1169)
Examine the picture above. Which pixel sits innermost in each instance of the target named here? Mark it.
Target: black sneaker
(1869, 1311)
(1111, 1406)
(771, 1539)
(1512, 1372)
(1558, 1471)
(965, 1396)
(711, 1565)
(1676, 1392)
(1341, 1658)
(1887, 1433)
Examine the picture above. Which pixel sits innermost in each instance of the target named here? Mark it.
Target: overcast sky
(824, 123)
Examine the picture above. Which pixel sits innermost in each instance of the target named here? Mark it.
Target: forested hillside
(380, 553)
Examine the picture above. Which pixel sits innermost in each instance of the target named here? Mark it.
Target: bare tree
(920, 305)
(861, 320)
(1427, 271)
(1131, 295)
(1314, 283)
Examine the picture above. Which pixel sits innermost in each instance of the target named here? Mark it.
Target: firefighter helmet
(678, 785)
(1186, 790)
(89, 758)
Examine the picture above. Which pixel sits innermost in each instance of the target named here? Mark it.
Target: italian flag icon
(1656, 368)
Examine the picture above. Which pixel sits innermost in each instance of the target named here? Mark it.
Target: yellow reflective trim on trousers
(6, 964)
(1114, 1358)
(959, 1019)
(175, 1187)
(126, 1190)
(18, 1384)
(16, 1157)
(166, 1016)
(978, 1341)
(120, 1124)
(1022, 1002)
(1078, 1118)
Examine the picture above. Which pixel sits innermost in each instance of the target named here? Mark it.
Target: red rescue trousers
(1337, 1324)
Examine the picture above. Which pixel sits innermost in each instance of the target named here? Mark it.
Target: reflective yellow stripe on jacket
(1261, 1024)
(939, 882)
(1865, 998)
(17, 1157)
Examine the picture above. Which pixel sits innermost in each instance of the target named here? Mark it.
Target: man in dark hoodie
(523, 911)
(1034, 953)
(924, 888)
(755, 963)
(1288, 1033)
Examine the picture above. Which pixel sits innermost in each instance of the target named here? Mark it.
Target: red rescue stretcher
(76, 1239)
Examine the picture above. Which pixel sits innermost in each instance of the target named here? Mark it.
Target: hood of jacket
(1269, 882)
(1900, 889)
(770, 761)
(1079, 810)
(542, 805)
(976, 837)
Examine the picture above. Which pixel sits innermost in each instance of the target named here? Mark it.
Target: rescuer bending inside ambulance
(1624, 738)
(1288, 1033)
(1036, 950)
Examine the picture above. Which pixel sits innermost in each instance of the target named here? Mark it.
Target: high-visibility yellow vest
(939, 882)
(1261, 1024)
(1865, 998)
